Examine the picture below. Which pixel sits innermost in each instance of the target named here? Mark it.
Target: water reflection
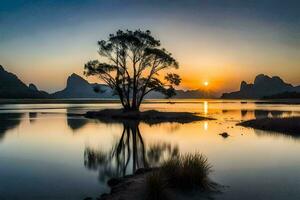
(244, 113)
(259, 114)
(275, 134)
(128, 154)
(76, 123)
(9, 121)
(32, 117)
(205, 125)
(49, 156)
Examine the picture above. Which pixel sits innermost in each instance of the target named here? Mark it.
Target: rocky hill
(12, 87)
(262, 86)
(77, 87)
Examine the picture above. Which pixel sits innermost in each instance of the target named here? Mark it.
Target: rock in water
(224, 135)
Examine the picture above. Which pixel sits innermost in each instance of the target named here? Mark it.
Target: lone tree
(130, 66)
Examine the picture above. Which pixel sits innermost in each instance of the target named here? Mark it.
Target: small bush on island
(184, 172)
(189, 171)
(179, 177)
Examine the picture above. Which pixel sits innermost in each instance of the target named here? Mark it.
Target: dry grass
(187, 172)
(190, 171)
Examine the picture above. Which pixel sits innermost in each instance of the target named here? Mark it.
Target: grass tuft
(188, 172)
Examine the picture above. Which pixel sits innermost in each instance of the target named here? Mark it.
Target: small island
(148, 117)
(285, 125)
(133, 61)
(178, 178)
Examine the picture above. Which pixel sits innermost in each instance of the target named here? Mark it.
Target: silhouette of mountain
(284, 95)
(263, 86)
(182, 94)
(194, 94)
(12, 87)
(32, 87)
(77, 87)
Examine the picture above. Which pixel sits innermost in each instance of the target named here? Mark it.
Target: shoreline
(285, 125)
(133, 187)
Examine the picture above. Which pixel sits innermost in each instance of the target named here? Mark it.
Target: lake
(48, 152)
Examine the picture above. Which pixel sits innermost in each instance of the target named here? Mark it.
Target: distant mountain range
(76, 87)
(12, 87)
(263, 86)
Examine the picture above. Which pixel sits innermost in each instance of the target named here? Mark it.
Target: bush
(188, 172)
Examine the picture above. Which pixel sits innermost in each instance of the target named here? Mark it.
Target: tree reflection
(9, 121)
(128, 154)
(32, 117)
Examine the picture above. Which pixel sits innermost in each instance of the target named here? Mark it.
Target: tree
(130, 65)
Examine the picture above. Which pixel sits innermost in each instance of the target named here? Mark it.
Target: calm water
(47, 154)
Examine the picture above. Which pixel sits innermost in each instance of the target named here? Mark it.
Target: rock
(224, 135)
(113, 182)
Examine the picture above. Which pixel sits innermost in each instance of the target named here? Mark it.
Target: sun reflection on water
(205, 126)
(205, 107)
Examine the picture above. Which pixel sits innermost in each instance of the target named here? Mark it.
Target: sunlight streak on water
(205, 126)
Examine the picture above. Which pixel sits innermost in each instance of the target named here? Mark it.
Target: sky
(221, 42)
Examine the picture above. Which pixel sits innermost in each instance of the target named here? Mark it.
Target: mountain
(194, 94)
(284, 95)
(77, 87)
(12, 87)
(263, 86)
(183, 94)
(32, 87)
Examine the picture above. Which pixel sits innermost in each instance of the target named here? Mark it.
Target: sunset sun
(205, 83)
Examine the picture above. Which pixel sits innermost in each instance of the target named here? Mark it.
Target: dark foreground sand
(287, 125)
(133, 187)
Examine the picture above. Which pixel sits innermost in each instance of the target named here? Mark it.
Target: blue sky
(43, 41)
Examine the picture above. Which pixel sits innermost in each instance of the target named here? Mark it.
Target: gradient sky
(219, 41)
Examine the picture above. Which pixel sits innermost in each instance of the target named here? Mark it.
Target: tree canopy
(130, 65)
